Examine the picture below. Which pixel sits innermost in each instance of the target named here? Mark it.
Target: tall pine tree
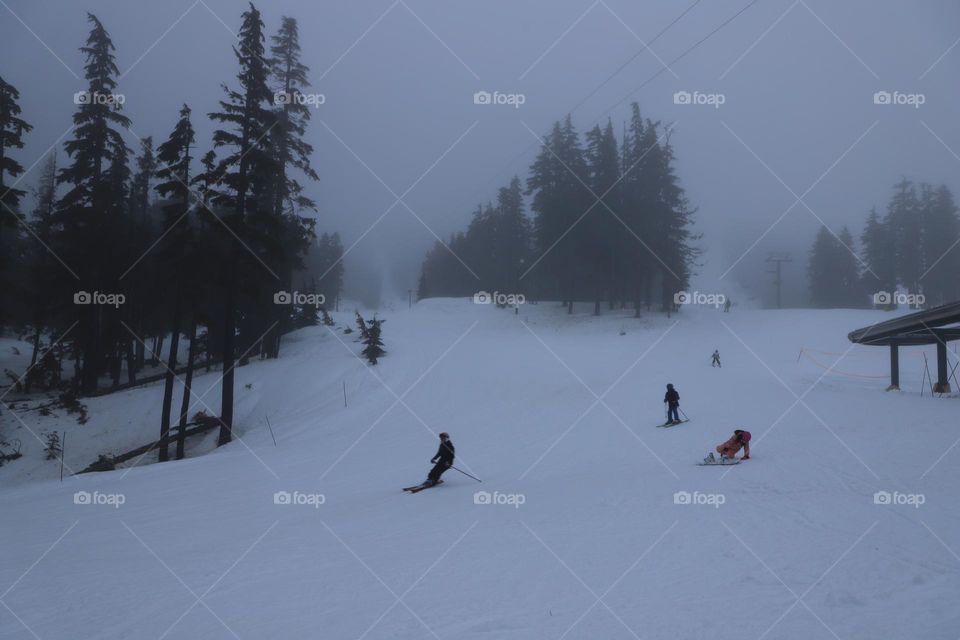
(245, 181)
(12, 128)
(86, 231)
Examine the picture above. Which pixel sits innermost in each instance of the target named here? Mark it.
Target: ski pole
(685, 417)
(271, 431)
(466, 474)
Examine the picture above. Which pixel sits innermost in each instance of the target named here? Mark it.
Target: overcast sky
(797, 80)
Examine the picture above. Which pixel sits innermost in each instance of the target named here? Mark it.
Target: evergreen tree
(511, 244)
(41, 270)
(293, 115)
(848, 270)
(373, 344)
(12, 128)
(941, 255)
(905, 224)
(601, 227)
(672, 242)
(246, 175)
(179, 253)
(879, 258)
(639, 187)
(53, 448)
(560, 201)
(291, 152)
(362, 326)
(140, 187)
(85, 230)
(833, 271)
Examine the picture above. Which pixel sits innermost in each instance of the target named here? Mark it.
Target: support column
(894, 367)
(943, 384)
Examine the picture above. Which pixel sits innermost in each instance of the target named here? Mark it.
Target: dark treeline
(128, 249)
(910, 247)
(610, 223)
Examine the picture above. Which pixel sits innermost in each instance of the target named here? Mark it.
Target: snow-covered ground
(588, 535)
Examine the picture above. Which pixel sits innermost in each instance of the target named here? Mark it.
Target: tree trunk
(187, 387)
(28, 380)
(164, 454)
(229, 340)
(131, 361)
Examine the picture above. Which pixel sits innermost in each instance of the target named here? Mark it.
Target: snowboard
(717, 464)
(420, 487)
(667, 425)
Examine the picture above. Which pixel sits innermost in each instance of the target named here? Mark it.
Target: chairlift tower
(776, 260)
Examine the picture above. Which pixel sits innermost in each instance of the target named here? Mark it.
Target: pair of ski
(420, 487)
(667, 425)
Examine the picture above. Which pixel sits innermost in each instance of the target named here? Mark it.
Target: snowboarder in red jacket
(730, 448)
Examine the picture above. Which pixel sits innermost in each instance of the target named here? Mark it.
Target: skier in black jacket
(672, 398)
(443, 460)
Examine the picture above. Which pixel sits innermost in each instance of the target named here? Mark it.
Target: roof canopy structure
(923, 327)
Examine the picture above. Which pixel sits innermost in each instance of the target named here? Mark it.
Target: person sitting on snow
(716, 358)
(672, 398)
(443, 460)
(729, 449)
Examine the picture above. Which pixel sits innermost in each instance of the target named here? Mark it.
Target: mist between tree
(904, 258)
(610, 225)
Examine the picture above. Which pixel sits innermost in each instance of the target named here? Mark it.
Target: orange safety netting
(805, 352)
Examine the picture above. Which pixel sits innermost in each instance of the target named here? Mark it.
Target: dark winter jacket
(445, 453)
(672, 398)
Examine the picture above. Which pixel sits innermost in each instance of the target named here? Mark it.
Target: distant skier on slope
(716, 359)
(442, 461)
(672, 400)
(729, 449)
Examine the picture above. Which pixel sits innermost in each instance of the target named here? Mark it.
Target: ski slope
(587, 536)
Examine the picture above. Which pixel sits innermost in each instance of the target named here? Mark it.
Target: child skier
(729, 449)
(672, 399)
(716, 359)
(442, 461)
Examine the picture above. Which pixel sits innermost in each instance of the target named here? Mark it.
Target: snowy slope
(598, 548)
